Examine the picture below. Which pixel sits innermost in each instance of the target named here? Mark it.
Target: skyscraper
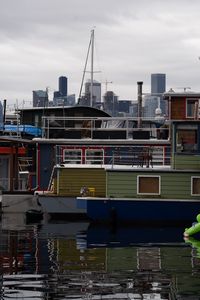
(96, 91)
(158, 83)
(40, 98)
(63, 86)
(155, 100)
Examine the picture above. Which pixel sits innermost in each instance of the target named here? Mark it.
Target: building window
(148, 185)
(192, 108)
(186, 139)
(94, 156)
(195, 186)
(72, 156)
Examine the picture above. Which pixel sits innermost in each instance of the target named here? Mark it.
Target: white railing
(136, 156)
(94, 127)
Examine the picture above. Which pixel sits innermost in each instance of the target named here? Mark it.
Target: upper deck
(103, 128)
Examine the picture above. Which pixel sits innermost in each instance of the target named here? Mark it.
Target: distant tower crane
(106, 84)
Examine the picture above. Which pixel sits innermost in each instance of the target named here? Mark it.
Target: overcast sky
(41, 40)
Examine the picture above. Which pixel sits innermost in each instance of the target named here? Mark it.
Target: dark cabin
(34, 116)
(53, 120)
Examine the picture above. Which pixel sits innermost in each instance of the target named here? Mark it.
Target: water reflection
(64, 260)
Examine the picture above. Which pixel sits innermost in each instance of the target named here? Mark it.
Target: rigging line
(88, 51)
(99, 66)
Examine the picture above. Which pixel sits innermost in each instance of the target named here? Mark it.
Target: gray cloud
(43, 39)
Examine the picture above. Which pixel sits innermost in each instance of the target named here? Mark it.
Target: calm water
(80, 261)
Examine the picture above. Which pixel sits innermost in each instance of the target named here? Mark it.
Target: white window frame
(149, 176)
(187, 100)
(75, 160)
(99, 159)
(192, 178)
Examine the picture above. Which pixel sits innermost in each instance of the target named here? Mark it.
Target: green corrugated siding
(176, 185)
(121, 184)
(71, 180)
(187, 162)
(173, 184)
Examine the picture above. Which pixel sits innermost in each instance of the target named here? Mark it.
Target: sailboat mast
(91, 52)
(92, 66)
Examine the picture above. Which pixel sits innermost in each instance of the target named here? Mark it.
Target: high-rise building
(158, 83)
(111, 103)
(151, 103)
(155, 100)
(134, 109)
(96, 90)
(60, 97)
(40, 98)
(124, 106)
(63, 86)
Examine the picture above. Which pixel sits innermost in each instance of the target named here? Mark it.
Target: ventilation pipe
(139, 83)
(4, 113)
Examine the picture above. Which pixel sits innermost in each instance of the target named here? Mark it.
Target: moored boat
(158, 194)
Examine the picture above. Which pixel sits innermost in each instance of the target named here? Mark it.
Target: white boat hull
(60, 205)
(19, 203)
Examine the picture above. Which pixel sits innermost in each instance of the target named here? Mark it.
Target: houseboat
(56, 195)
(129, 179)
(83, 150)
(162, 193)
(15, 161)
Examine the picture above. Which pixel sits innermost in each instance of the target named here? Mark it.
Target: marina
(100, 161)
(92, 216)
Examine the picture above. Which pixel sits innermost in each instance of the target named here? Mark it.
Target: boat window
(192, 108)
(195, 186)
(94, 156)
(72, 156)
(186, 140)
(36, 123)
(148, 185)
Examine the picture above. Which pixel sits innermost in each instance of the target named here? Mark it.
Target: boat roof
(88, 141)
(15, 140)
(110, 167)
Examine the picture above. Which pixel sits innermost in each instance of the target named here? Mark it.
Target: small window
(94, 156)
(186, 140)
(72, 156)
(195, 186)
(192, 108)
(148, 185)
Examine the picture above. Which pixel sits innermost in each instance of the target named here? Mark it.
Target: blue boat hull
(139, 210)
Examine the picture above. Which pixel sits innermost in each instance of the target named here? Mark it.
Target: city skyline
(43, 40)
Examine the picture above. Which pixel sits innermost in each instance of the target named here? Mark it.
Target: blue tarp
(26, 129)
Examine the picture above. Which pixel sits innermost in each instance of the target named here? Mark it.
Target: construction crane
(106, 84)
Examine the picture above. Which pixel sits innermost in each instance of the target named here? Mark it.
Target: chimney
(4, 113)
(139, 83)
